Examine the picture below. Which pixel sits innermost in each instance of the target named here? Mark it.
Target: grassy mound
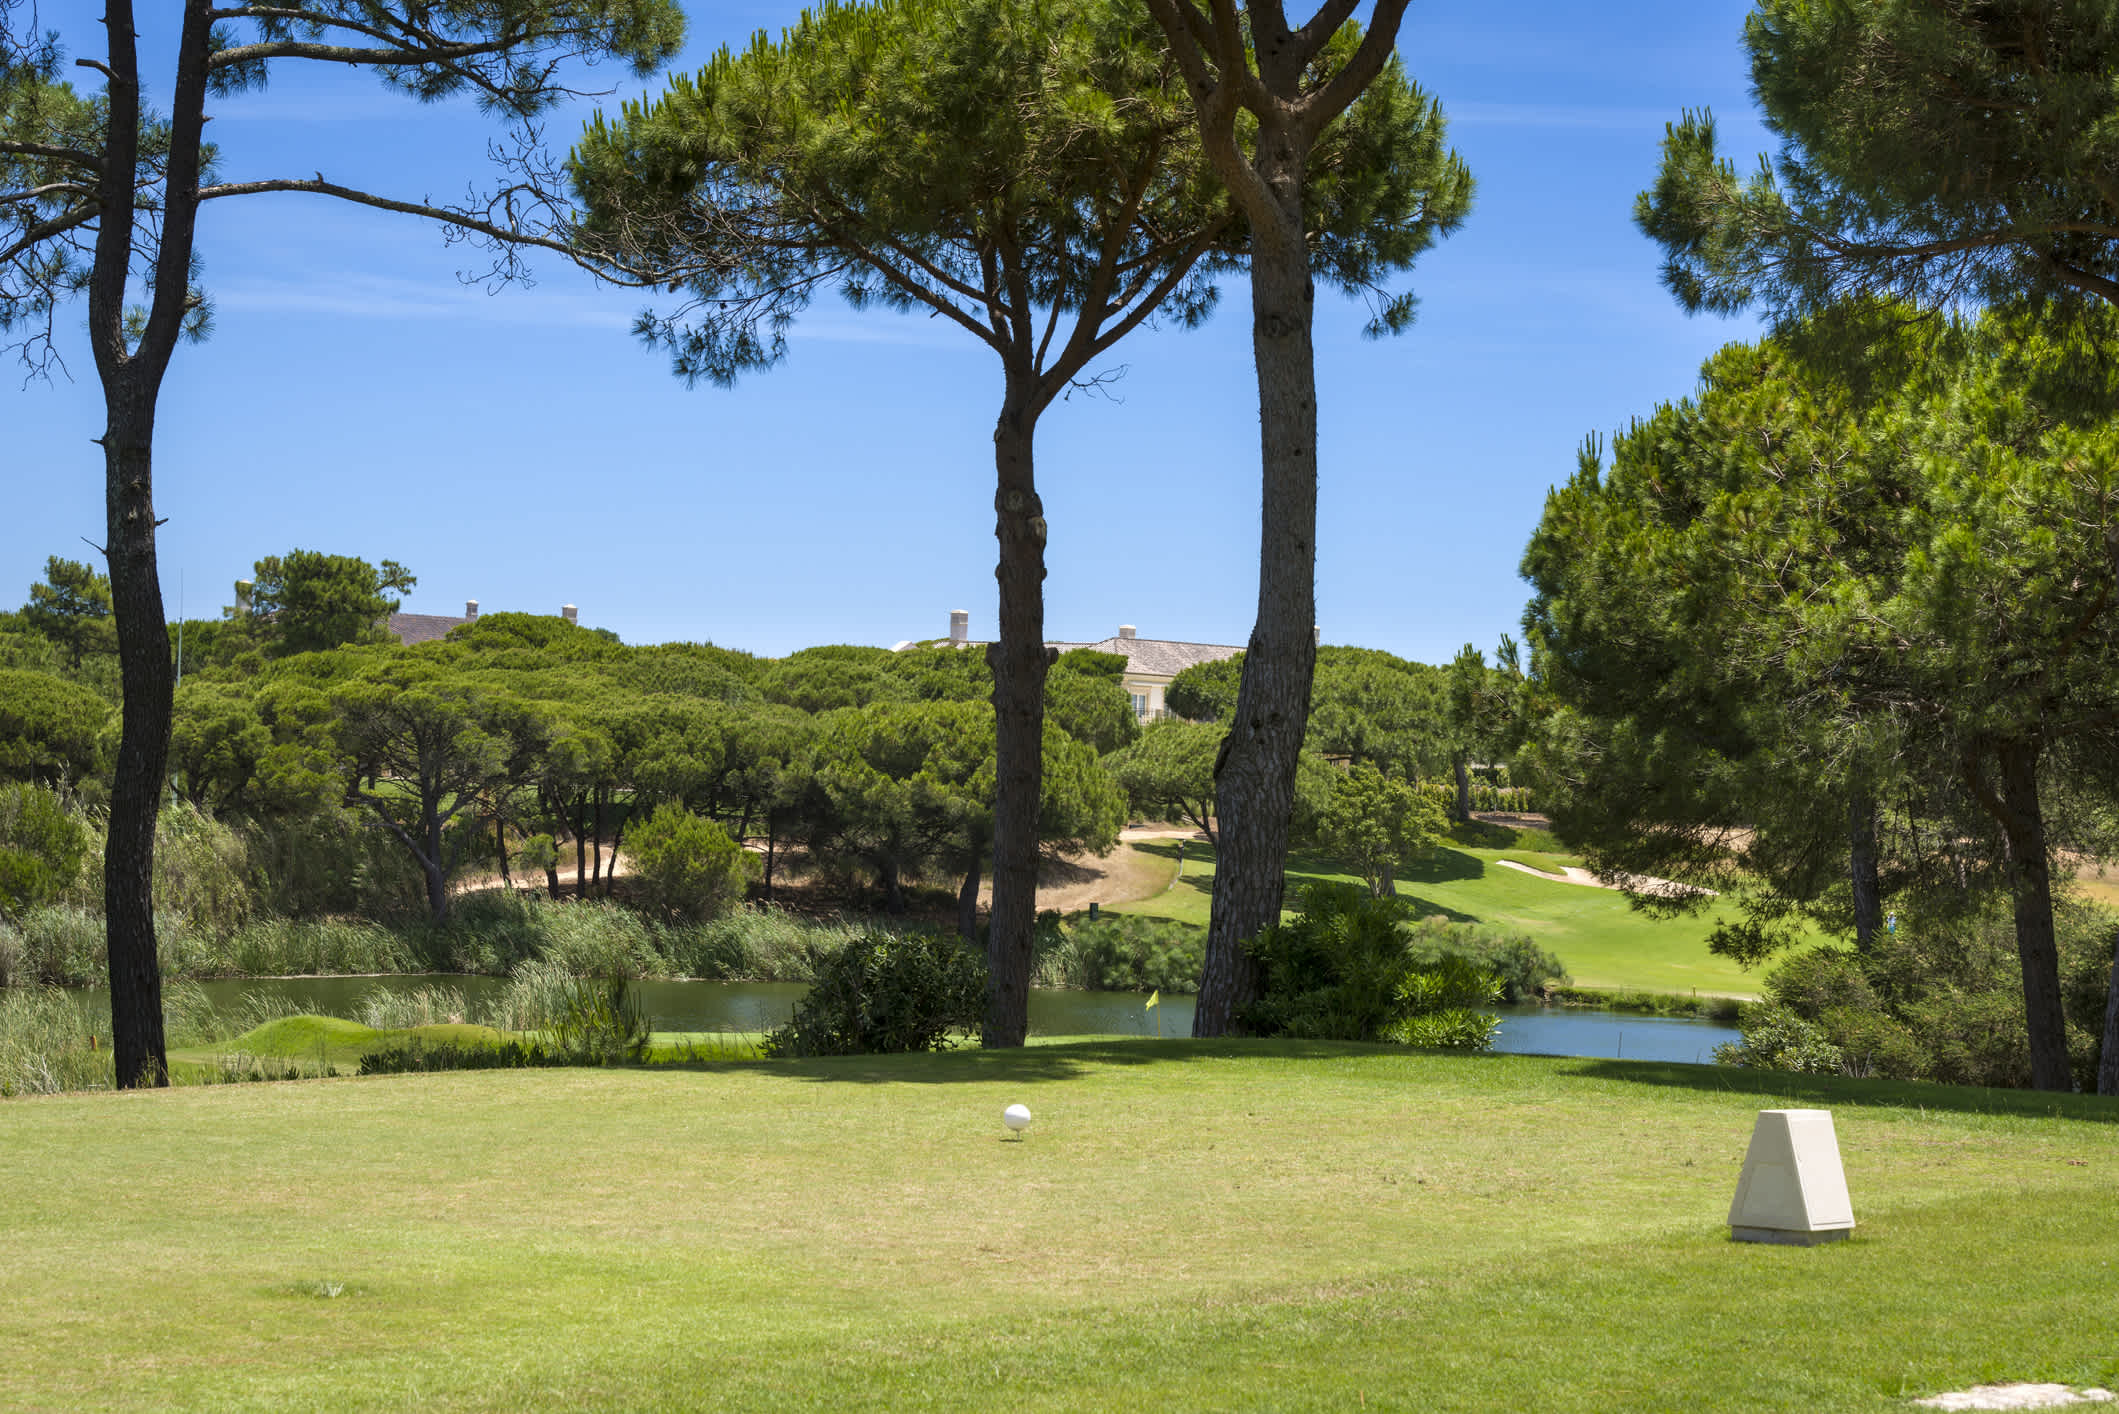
(330, 1042)
(1186, 1225)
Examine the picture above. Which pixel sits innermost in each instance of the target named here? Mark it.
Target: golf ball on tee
(1016, 1117)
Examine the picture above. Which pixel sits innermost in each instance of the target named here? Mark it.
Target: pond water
(753, 1007)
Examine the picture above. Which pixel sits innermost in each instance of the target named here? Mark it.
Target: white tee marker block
(1793, 1189)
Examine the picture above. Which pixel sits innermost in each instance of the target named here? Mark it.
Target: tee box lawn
(1187, 1225)
(1604, 942)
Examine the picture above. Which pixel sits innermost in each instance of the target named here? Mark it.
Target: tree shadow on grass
(1785, 1091)
(1060, 1061)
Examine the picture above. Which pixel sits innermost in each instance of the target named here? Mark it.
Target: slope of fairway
(1187, 1225)
(1603, 940)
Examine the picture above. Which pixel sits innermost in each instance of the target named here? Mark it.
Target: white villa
(1150, 662)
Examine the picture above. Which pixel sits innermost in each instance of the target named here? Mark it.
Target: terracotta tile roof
(1157, 657)
(409, 629)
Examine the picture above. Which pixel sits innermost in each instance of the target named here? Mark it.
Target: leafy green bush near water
(1935, 1000)
(887, 993)
(1349, 969)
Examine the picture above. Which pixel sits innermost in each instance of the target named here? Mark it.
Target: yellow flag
(1155, 998)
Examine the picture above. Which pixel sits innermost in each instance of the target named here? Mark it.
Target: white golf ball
(1016, 1117)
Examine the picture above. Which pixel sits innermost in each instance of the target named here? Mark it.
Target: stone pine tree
(100, 196)
(1026, 172)
(1851, 644)
(1932, 150)
(1267, 98)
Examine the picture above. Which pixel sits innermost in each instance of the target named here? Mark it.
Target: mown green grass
(1188, 1225)
(1604, 941)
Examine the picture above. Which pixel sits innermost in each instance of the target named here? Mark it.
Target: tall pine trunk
(2017, 809)
(1460, 764)
(1862, 867)
(1019, 660)
(2108, 1061)
(434, 863)
(967, 900)
(137, 1042)
(1254, 777)
(131, 375)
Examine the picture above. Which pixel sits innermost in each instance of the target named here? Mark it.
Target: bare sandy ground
(1122, 876)
(1632, 883)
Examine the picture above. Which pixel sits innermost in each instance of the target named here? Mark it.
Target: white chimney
(1125, 630)
(960, 625)
(571, 614)
(470, 608)
(1316, 635)
(242, 598)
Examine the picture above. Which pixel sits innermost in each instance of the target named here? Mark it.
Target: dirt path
(1122, 876)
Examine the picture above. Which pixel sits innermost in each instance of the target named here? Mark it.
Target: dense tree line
(531, 746)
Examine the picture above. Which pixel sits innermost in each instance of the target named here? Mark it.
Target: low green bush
(1775, 1038)
(416, 1058)
(1937, 999)
(886, 993)
(1524, 969)
(1346, 970)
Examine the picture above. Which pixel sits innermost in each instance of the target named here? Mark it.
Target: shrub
(688, 867)
(1345, 970)
(1821, 980)
(508, 1055)
(1939, 998)
(887, 993)
(1775, 1038)
(1523, 968)
(41, 847)
(1871, 1043)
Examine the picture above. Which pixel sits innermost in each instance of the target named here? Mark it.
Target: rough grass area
(1187, 1225)
(1605, 943)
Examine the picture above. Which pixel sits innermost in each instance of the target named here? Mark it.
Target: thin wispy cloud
(381, 297)
(378, 297)
(1559, 115)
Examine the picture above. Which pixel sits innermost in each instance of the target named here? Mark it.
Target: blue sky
(522, 449)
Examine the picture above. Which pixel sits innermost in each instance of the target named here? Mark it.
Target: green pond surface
(755, 1007)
